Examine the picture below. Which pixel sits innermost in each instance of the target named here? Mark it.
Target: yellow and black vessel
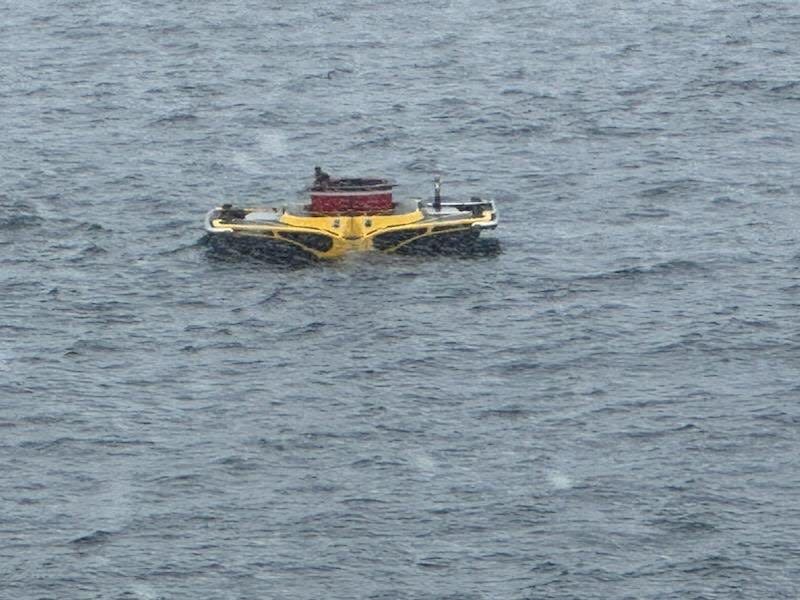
(352, 214)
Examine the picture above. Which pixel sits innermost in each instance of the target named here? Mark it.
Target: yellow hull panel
(332, 236)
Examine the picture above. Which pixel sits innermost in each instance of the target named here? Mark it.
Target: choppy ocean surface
(606, 409)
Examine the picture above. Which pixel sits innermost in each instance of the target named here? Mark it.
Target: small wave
(82, 347)
(670, 188)
(724, 201)
(422, 165)
(665, 267)
(781, 417)
(737, 40)
(17, 215)
(338, 71)
(738, 325)
(714, 565)
(269, 117)
(275, 297)
(186, 479)
(97, 537)
(522, 131)
(49, 444)
(520, 366)
(783, 89)
(89, 251)
(180, 249)
(508, 413)
(649, 213)
(687, 524)
(272, 445)
(176, 119)
(239, 463)
(621, 132)
(313, 327)
(635, 90)
(382, 141)
(656, 433)
(434, 563)
(93, 227)
(670, 267)
(363, 500)
(728, 87)
(11, 222)
(120, 443)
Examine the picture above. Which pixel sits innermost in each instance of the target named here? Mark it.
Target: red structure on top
(350, 195)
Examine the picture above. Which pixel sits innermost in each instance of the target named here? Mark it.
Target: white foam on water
(269, 144)
(272, 143)
(5, 359)
(559, 481)
(144, 592)
(424, 463)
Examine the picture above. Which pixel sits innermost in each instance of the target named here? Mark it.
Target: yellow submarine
(352, 214)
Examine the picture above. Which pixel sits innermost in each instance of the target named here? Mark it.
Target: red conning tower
(350, 195)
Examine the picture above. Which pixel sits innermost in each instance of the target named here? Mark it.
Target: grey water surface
(608, 408)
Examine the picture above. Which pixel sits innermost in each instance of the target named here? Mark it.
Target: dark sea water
(606, 409)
